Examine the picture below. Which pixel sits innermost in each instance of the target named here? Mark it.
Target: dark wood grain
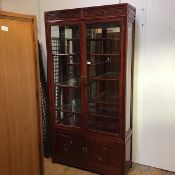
(93, 137)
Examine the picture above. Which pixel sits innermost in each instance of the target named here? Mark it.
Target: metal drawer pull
(65, 150)
(100, 158)
(104, 148)
(85, 149)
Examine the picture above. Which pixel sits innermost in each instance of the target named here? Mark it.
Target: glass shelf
(101, 39)
(103, 115)
(104, 54)
(105, 98)
(98, 63)
(70, 58)
(103, 110)
(73, 83)
(74, 64)
(107, 77)
(65, 38)
(71, 120)
(71, 39)
(65, 54)
(71, 108)
(104, 124)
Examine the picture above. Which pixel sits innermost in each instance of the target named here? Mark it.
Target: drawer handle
(100, 158)
(65, 150)
(85, 149)
(104, 148)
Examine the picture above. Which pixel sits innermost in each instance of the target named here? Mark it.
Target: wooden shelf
(71, 83)
(107, 77)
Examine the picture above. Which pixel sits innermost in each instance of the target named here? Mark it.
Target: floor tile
(137, 169)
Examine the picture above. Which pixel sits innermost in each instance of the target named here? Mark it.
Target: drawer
(68, 149)
(80, 151)
(104, 153)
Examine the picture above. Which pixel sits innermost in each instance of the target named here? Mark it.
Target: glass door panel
(103, 65)
(66, 73)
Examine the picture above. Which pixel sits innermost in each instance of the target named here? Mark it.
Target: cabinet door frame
(50, 70)
(121, 20)
(83, 79)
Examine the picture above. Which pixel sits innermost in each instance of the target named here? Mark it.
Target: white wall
(21, 6)
(29, 7)
(154, 96)
(158, 86)
(154, 119)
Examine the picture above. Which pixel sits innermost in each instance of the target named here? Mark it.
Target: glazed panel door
(103, 46)
(65, 68)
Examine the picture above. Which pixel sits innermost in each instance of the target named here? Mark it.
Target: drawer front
(68, 149)
(87, 153)
(104, 153)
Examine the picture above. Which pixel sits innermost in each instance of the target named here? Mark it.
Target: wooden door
(20, 152)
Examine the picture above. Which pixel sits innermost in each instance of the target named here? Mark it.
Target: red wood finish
(83, 138)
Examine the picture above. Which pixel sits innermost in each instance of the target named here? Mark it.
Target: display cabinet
(90, 74)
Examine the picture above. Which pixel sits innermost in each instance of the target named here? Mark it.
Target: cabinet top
(114, 10)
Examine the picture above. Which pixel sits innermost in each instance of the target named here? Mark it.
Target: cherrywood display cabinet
(90, 74)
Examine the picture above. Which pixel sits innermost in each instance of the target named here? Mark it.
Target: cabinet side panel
(128, 156)
(128, 96)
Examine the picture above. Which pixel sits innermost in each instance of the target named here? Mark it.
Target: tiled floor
(57, 169)
(145, 170)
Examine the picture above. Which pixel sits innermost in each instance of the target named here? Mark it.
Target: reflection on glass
(66, 70)
(103, 65)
